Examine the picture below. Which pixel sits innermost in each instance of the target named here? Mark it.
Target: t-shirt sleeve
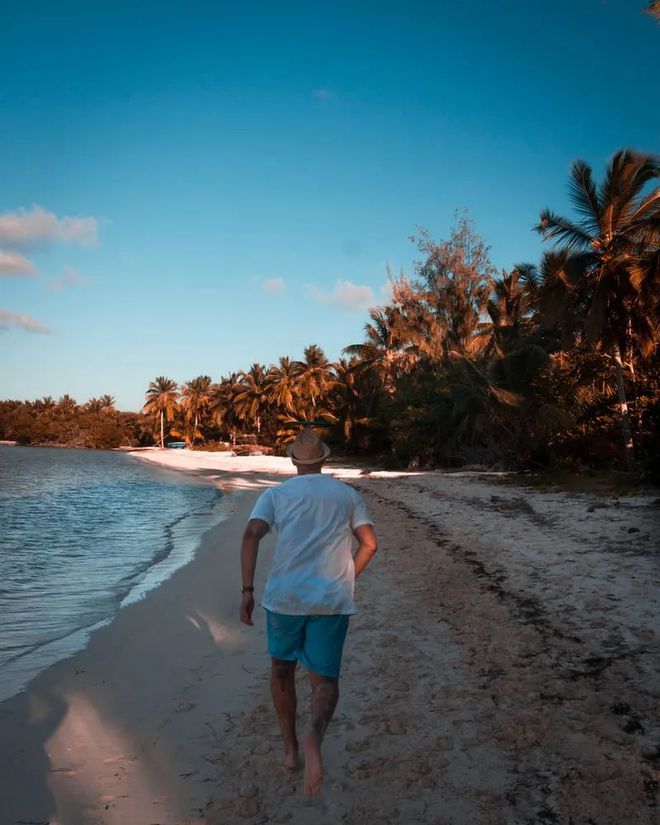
(360, 514)
(264, 509)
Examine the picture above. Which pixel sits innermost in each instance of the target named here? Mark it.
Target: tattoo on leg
(325, 692)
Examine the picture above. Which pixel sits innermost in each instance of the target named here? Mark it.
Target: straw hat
(307, 448)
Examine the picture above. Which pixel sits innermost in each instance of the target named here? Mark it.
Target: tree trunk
(628, 444)
(162, 434)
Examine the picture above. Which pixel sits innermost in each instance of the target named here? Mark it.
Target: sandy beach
(503, 668)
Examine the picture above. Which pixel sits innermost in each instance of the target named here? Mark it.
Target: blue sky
(189, 187)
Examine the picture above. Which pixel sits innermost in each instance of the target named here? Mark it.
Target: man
(309, 593)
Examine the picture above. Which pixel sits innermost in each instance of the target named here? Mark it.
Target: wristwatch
(247, 589)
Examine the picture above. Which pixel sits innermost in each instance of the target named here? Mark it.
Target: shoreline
(503, 665)
(19, 672)
(85, 716)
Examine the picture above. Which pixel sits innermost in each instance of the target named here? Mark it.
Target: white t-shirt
(312, 571)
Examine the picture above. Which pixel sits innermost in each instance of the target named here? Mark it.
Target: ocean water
(82, 533)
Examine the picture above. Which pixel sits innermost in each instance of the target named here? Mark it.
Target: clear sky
(187, 188)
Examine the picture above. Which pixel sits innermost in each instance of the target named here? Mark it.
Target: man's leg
(283, 691)
(325, 693)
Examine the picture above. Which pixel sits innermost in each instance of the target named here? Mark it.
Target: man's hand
(256, 529)
(247, 607)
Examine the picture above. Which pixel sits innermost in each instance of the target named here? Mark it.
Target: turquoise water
(83, 532)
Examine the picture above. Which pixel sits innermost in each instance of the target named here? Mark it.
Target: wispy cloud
(324, 94)
(273, 284)
(13, 264)
(38, 228)
(346, 295)
(22, 321)
(70, 278)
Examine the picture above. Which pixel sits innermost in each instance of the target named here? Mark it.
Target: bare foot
(290, 759)
(313, 764)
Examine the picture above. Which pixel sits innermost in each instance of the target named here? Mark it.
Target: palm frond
(584, 195)
(553, 227)
(649, 206)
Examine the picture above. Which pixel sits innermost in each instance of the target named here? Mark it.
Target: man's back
(312, 571)
(309, 593)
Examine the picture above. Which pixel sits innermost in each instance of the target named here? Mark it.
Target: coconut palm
(45, 404)
(315, 374)
(282, 382)
(107, 403)
(162, 401)
(250, 396)
(602, 283)
(388, 350)
(66, 404)
(221, 403)
(196, 399)
(510, 308)
(288, 426)
(349, 395)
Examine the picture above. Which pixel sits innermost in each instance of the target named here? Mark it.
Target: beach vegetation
(600, 287)
(196, 404)
(90, 425)
(551, 364)
(162, 401)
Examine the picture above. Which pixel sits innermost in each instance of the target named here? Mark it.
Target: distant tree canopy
(66, 423)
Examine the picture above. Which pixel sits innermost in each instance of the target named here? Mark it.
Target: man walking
(309, 593)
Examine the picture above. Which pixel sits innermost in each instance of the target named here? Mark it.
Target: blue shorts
(316, 642)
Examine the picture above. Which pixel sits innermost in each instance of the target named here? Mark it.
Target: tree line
(64, 422)
(550, 362)
(554, 361)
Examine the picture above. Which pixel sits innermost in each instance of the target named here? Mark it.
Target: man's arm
(256, 529)
(368, 544)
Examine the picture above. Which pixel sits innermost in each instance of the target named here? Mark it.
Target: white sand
(503, 669)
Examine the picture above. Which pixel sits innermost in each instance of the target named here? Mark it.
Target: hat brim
(304, 461)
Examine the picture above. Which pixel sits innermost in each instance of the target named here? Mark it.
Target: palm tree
(94, 405)
(107, 403)
(221, 403)
(349, 395)
(103, 404)
(251, 396)
(387, 351)
(601, 282)
(510, 308)
(282, 382)
(46, 403)
(196, 399)
(66, 404)
(315, 375)
(162, 401)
